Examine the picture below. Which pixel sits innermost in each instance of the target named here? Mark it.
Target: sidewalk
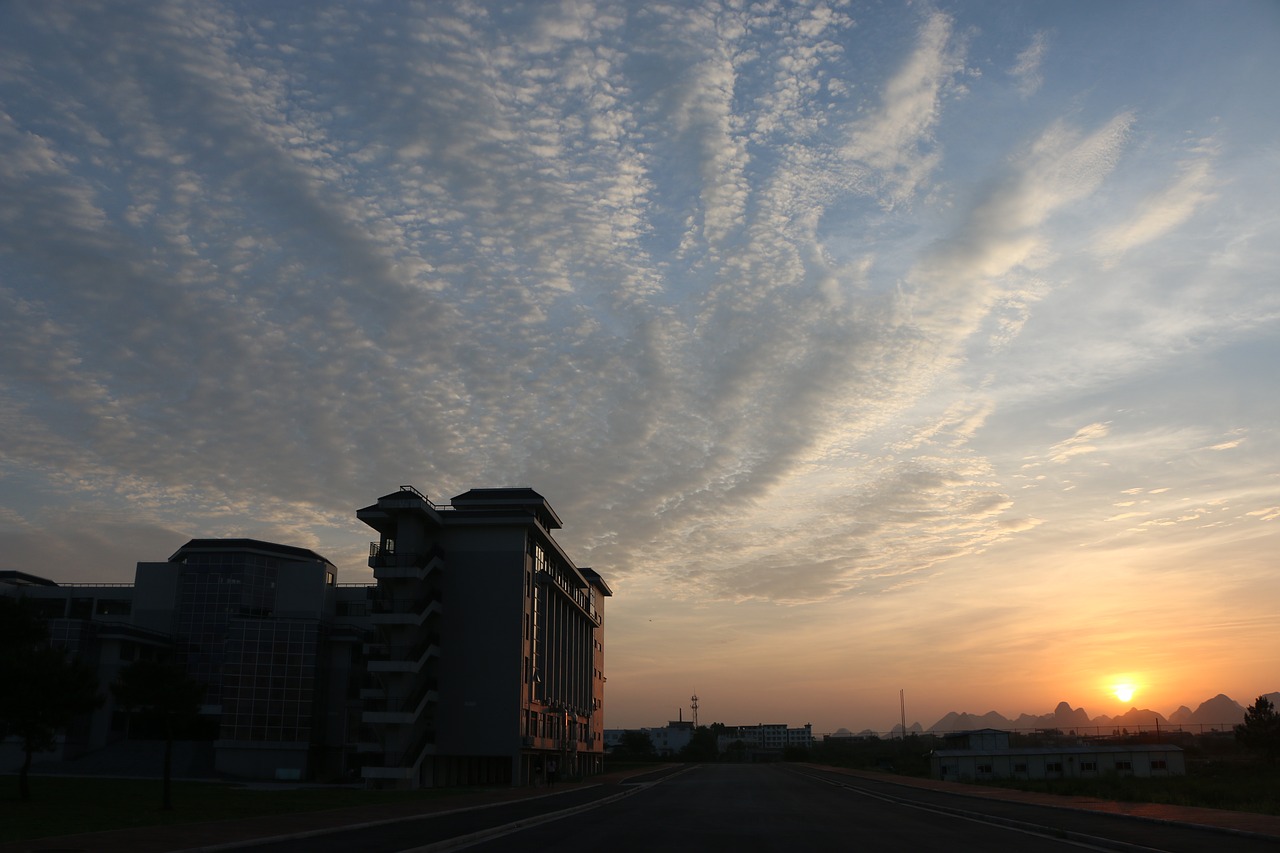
(210, 836)
(1231, 821)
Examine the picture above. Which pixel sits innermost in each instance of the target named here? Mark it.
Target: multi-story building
(491, 644)
(768, 738)
(249, 620)
(478, 656)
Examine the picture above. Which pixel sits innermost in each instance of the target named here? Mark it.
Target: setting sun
(1123, 692)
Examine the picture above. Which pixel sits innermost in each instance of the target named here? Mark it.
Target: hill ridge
(1220, 712)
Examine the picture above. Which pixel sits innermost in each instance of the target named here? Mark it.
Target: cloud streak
(787, 309)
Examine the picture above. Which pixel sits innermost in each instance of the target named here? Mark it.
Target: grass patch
(1219, 774)
(1231, 786)
(62, 805)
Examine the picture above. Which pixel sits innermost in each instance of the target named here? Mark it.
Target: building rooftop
(510, 498)
(594, 577)
(15, 578)
(231, 545)
(1061, 750)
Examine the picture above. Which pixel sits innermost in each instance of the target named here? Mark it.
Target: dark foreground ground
(713, 807)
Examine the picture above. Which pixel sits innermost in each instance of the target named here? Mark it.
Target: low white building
(671, 738)
(667, 740)
(986, 754)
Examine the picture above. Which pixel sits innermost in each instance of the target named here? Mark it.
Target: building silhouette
(476, 657)
(490, 641)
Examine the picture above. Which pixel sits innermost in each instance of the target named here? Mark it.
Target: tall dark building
(490, 635)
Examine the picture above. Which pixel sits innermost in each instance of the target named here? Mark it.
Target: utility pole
(902, 701)
(693, 706)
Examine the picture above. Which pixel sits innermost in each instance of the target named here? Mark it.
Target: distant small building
(671, 738)
(667, 740)
(767, 741)
(986, 754)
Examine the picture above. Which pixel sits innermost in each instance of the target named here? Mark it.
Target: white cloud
(1164, 212)
(1081, 443)
(895, 142)
(1026, 71)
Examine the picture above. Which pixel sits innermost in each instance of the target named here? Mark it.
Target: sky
(868, 350)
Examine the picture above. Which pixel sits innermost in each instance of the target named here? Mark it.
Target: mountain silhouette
(1218, 709)
(1220, 712)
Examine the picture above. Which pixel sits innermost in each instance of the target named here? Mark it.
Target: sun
(1124, 692)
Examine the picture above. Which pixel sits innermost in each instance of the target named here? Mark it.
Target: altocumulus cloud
(739, 288)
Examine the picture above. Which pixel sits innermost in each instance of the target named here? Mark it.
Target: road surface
(777, 807)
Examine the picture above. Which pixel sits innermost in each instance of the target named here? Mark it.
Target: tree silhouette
(1260, 730)
(44, 689)
(160, 693)
(701, 747)
(636, 745)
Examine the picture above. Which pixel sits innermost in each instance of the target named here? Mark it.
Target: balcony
(396, 610)
(401, 766)
(413, 661)
(390, 564)
(382, 709)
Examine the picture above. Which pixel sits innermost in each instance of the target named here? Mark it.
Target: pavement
(212, 836)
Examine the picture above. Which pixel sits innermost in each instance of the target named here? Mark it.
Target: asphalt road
(746, 808)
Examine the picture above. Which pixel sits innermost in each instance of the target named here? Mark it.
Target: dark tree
(701, 747)
(160, 694)
(636, 745)
(1260, 731)
(44, 689)
(735, 752)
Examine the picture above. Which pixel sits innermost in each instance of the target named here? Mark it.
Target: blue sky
(862, 347)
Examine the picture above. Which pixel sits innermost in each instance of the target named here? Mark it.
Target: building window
(1053, 767)
(984, 768)
(49, 608)
(1124, 765)
(1020, 768)
(114, 607)
(352, 608)
(1159, 764)
(1088, 766)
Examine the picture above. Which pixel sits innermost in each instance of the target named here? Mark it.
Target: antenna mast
(693, 706)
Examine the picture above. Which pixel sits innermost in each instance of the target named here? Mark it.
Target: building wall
(480, 673)
(214, 606)
(518, 639)
(596, 737)
(93, 623)
(1066, 764)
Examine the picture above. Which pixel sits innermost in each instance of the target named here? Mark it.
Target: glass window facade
(214, 589)
(270, 679)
